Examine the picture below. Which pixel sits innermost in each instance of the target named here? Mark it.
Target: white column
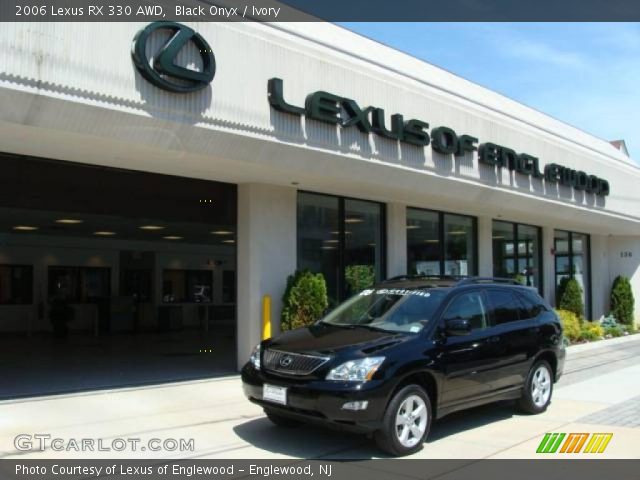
(548, 265)
(600, 278)
(396, 239)
(266, 256)
(624, 259)
(485, 247)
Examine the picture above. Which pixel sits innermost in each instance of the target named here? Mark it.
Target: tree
(622, 301)
(304, 300)
(571, 297)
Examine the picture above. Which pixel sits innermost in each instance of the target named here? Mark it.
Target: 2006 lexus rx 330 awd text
(412, 349)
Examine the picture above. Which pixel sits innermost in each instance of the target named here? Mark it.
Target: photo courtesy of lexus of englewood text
(254, 239)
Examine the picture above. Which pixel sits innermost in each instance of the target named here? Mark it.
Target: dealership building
(159, 180)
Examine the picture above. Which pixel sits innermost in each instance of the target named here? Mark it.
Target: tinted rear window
(504, 306)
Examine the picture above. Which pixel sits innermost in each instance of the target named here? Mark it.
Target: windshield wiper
(340, 325)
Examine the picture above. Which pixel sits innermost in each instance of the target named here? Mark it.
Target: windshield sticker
(414, 329)
(395, 291)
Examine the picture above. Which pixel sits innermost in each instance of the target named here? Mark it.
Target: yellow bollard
(266, 317)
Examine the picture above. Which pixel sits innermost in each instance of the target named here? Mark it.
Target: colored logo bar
(574, 443)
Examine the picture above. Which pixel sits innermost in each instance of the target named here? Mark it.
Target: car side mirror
(457, 326)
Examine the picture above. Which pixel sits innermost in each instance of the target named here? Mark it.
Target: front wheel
(536, 395)
(406, 422)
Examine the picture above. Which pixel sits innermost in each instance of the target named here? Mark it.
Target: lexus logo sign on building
(162, 70)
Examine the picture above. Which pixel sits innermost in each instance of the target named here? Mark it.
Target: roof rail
(424, 277)
(471, 280)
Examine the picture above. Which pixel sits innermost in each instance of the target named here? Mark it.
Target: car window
(503, 306)
(532, 302)
(469, 306)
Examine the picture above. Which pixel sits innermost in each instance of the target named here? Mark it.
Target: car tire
(281, 420)
(406, 422)
(538, 388)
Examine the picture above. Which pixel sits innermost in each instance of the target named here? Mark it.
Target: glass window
(396, 309)
(79, 284)
(571, 251)
(469, 306)
(516, 252)
(533, 305)
(424, 248)
(319, 238)
(504, 306)
(187, 286)
(440, 243)
(16, 284)
(459, 245)
(362, 245)
(343, 239)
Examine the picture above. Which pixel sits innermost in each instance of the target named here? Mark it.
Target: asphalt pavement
(600, 392)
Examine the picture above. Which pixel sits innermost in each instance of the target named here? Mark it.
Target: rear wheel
(406, 422)
(281, 420)
(536, 395)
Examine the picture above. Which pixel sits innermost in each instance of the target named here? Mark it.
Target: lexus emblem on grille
(286, 361)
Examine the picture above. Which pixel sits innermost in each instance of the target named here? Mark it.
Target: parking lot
(599, 393)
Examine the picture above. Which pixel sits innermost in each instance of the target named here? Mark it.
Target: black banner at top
(320, 10)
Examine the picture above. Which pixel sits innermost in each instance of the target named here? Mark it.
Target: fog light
(361, 405)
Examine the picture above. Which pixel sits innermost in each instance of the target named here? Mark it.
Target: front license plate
(274, 394)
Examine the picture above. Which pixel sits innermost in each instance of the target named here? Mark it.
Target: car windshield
(389, 309)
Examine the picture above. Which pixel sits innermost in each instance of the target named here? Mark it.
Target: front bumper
(320, 401)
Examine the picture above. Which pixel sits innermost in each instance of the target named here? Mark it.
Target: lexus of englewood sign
(329, 108)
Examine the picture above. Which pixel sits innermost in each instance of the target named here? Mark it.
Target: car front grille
(292, 363)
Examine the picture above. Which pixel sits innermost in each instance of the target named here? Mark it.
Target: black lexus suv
(394, 357)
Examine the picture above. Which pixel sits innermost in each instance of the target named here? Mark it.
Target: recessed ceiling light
(412, 227)
(331, 241)
(104, 233)
(498, 237)
(432, 240)
(25, 228)
(69, 221)
(151, 227)
(346, 232)
(457, 232)
(228, 241)
(327, 247)
(222, 232)
(353, 220)
(173, 237)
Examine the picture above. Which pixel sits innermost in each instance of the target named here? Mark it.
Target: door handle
(494, 339)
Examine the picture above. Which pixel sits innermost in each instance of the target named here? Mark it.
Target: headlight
(356, 370)
(255, 357)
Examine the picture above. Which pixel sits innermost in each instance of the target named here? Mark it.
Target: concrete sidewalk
(224, 424)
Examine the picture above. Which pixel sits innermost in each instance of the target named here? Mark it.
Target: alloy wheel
(411, 421)
(541, 386)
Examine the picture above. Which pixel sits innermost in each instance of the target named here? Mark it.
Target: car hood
(328, 339)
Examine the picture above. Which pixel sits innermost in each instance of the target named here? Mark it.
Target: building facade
(150, 200)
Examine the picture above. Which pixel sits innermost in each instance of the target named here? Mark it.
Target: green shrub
(359, 277)
(617, 331)
(591, 331)
(622, 301)
(571, 297)
(304, 300)
(570, 325)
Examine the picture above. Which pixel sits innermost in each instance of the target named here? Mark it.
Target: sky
(585, 74)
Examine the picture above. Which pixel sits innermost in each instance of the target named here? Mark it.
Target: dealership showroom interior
(146, 214)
